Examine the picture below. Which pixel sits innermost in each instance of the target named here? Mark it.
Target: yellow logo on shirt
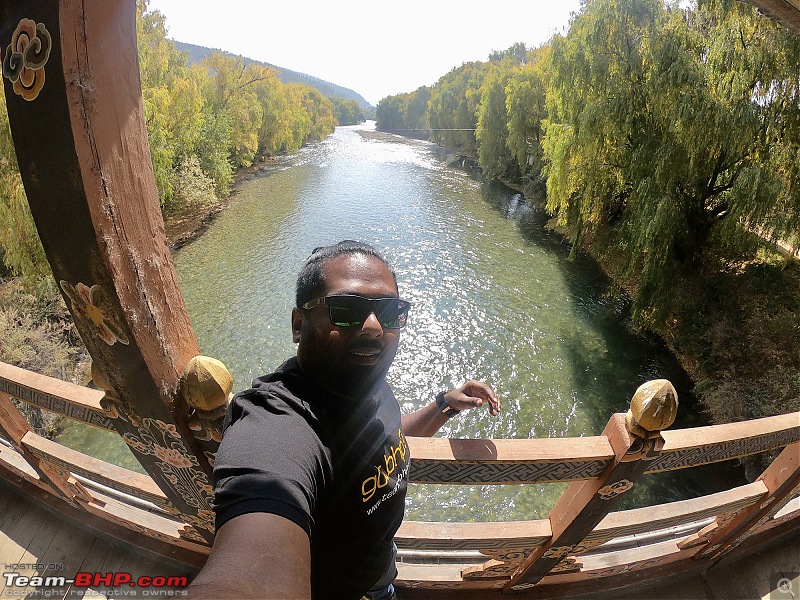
(371, 485)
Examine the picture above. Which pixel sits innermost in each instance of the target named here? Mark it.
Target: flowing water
(494, 297)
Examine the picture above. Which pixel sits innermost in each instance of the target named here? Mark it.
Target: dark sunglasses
(352, 311)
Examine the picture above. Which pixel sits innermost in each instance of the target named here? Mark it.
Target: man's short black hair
(310, 281)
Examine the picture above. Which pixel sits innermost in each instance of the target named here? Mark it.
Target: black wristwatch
(447, 410)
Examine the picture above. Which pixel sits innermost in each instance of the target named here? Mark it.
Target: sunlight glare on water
(494, 297)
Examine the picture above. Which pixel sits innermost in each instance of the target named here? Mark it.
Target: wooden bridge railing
(582, 541)
(70, 78)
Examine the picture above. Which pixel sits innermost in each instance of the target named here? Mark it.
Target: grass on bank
(735, 328)
(37, 334)
(737, 331)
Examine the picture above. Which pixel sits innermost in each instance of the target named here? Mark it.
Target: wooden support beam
(71, 80)
(782, 480)
(14, 428)
(636, 441)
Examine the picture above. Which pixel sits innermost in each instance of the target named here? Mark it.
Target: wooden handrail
(649, 519)
(424, 535)
(500, 461)
(111, 476)
(507, 461)
(716, 443)
(61, 397)
(458, 547)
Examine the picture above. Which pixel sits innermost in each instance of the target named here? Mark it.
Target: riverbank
(734, 328)
(186, 225)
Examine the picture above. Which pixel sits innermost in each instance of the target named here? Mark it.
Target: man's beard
(356, 381)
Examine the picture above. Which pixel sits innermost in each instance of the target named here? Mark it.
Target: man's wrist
(447, 410)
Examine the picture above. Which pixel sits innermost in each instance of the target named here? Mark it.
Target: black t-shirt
(336, 467)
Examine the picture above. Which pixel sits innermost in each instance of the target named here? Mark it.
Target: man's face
(347, 360)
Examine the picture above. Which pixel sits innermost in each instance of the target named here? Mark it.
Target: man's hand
(473, 394)
(428, 420)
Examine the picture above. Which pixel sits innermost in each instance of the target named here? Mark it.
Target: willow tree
(320, 109)
(451, 109)
(172, 101)
(347, 112)
(670, 130)
(525, 106)
(415, 112)
(389, 114)
(494, 156)
(406, 112)
(230, 88)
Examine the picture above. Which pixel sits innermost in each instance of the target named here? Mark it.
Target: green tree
(453, 103)
(211, 149)
(319, 109)
(526, 108)
(389, 114)
(415, 112)
(296, 120)
(172, 101)
(231, 89)
(661, 135)
(494, 155)
(347, 112)
(20, 248)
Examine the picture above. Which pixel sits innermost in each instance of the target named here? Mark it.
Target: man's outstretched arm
(256, 555)
(428, 420)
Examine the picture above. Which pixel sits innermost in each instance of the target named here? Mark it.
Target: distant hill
(326, 88)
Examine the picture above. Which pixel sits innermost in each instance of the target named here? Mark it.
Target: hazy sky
(374, 48)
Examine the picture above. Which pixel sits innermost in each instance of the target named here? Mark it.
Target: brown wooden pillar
(636, 440)
(71, 80)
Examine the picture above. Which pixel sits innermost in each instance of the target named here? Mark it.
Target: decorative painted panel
(718, 452)
(79, 412)
(507, 472)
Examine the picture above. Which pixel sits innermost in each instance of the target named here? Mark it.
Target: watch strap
(447, 410)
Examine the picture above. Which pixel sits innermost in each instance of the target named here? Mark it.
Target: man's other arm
(428, 420)
(256, 555)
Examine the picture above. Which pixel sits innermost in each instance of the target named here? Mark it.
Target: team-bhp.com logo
(158, 585)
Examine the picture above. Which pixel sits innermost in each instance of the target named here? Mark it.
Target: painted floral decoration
(558, 552)
(172, 456)
(169, 428)
(25, 57)
(615, 489)
(89, 302)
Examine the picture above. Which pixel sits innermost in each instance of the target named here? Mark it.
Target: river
(494, 297)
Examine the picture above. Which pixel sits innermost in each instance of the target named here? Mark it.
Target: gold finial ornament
(206, 383)
(654, 407)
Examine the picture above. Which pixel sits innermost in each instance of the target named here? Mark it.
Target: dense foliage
(668, 138)
(661, 132)
(347, 112)
(671, 132)
(220, 113)
(204, 122)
